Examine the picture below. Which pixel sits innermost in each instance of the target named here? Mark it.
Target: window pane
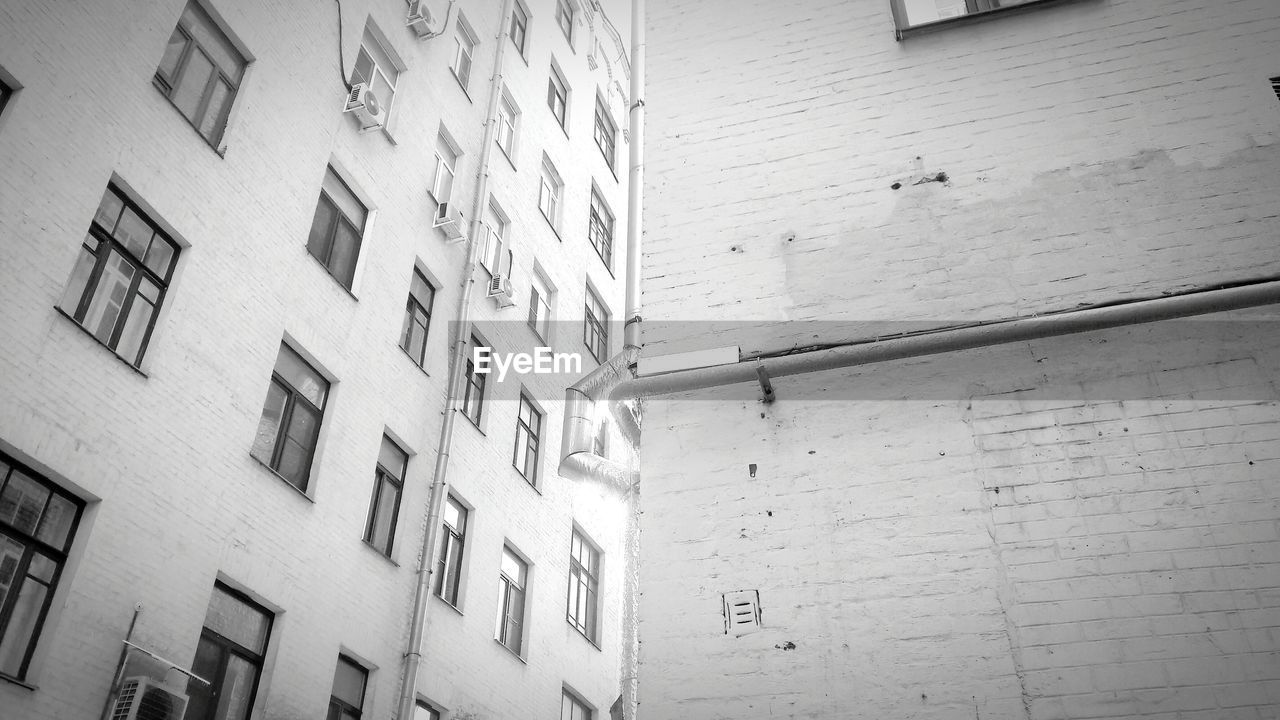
(55, 526)
(212, 40)
(109, 296)
(299, 443)
(348, 683)
(172, 54)
(79, 278)
(200, 696)
(10, 557)
(455, 515)
(341, 195)
(216, 113)
(392, 458)
(264, 442)
(192, 84)
(384, 518)
(322, 229)
(346, 249)
(134, 233)
(237, 689)
(160, 256)
(363, 72)
(301, 377)
(135, 328)
(21, 627)
(108, 210)
(22, 502)
(236, 620)
(513, 567)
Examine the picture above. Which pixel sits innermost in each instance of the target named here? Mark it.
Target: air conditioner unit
(142, 698)
(449, 219)
(500, 290)
(365, 104)
(420, 19)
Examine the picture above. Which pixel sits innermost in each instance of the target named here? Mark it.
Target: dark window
(200, 72)
(911, 14)
(346, 702)
(528, 431)
(595, 327)
(6, 92)
(519, 27)
(606, 133)
(557, 96)
(388, 485)
(336, 229)
(417, 318)
(120, 276)
(571, 708)
(230, 655)
(564, 18)
(449, 565)
(584, 585)
(1275, 87)
(473, 397)
(290, 424)
(37, 523)
(423, 711)
(600, 228)
(511, 584)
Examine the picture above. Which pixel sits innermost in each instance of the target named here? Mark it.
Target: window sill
(413, 362)
(510, 652)
(510, 162)
(101, 344)
(15, 681)
(302, 493)
(531, 485)
(551, 225)
(905, 32)
(474, 424)
(378, 552)
(328, 272)
(461, 86)
(221, 152)
(584, 636)
(449, 605)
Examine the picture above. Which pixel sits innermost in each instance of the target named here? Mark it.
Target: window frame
(331, 234)
(293, 396)
(432, 713)
(474, 383)
(587, 712)
(605, 127)
(531, 432)
(384, 479)
(107, 247)
(558, 95)
(414, 308)
(596, 326)
(31, 545)
(463, 32)
(508, 126)
(973, 12)
(550, 193)
(519, 13)
(509, 588)
(565, 15)
(452, 553)
(585, 578)
(601, 231)
(541, 295)
(445, 146)
(390, 75)
(345, 708)
(492, 252)
(228, 647)
(168, 82)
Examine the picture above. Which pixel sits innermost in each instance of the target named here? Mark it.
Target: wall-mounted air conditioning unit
(420, 19)
(367, 108)
(500, 291)
(449, 219)
(142, 698)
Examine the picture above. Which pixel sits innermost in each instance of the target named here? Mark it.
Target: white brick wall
(163, 458)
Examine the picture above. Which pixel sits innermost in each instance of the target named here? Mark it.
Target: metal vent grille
(1275, 86)
(125, 702)
(741, 612)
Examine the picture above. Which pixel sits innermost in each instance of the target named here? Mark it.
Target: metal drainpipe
(945, 340)
(422, 595)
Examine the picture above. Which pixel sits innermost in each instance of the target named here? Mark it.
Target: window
(596, 327)
(508, 122)
(120, 277)
(600, 228)
(557, 95)
(473, 396)
(449, 566)
(337, 228)
(494, 240)
(549, 193)
(388, 486)
(376, 69)
(540, 307)
(584, 585)
(606, 133)
(200, 72)
(346, 702)
(564, 18)
(423, 711)
(528, 434)
(911, 13)
(466, 45)
(229, 655)
(511, 584)
(571, 708)
(417, 318)
(290, 424)
(446, 168)
(519, 32)
(37, 523)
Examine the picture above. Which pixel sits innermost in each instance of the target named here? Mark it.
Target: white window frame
(465, 42)
(523, 47)
(550, 193)
(541, 304)
(389, 68)
(505, 584)
(555, 79)
(566, 13)
(508, 126)
(492, 254)
(445, 145)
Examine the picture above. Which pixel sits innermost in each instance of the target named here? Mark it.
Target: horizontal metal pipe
(952, 339)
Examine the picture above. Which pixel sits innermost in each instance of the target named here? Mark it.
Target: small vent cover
(741, 612)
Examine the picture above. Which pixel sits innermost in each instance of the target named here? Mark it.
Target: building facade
(230, 298)
(1074, 526)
